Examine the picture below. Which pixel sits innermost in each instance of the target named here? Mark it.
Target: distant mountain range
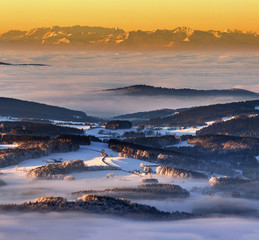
(99, 37)
(146, 90)
(10, 107)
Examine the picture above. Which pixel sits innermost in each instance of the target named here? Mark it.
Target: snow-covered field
(102, 133)
(19, 188)
(10, 119)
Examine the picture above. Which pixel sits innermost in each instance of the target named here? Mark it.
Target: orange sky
(131, 14)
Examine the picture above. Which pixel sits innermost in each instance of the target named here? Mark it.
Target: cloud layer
(74, 79)
(69, 226)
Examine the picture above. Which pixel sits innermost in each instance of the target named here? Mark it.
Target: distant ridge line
(107, 38)
(11, 107)
(147, 90)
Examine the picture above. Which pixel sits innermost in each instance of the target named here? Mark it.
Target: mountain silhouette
(96, 37)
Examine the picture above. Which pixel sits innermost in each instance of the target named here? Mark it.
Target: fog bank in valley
(76, 226)
(75, 80)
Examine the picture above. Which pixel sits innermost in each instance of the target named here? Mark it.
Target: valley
(130, 154)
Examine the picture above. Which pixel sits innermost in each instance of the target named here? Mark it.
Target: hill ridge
(142, 89)
(28, 109)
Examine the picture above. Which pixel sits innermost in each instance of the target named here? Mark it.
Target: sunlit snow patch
(8, 119)
(6, 146)
(227, 118)
(127, 164)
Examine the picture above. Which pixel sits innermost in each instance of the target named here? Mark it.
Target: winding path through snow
(110, 165)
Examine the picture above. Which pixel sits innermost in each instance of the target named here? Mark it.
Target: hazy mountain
(25, 109)
(84, 36)
(197, 116)
(146, 90)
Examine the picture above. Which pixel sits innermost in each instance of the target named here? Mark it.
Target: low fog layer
(199, 204)
(75, 80)
(69, 226)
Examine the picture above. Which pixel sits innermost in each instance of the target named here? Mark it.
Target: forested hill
(240, 126)
(148, 114)
(146, 90)
(26, 109)
(200, 115)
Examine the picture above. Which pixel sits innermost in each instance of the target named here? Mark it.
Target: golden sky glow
(131, 14)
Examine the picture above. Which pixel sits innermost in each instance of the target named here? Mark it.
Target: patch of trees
(34, 149)
(10, 139)
(222, 161)
(145, 191)
(157, 142)
(133, 134)
(224, 142)
(227, 181)
(131, 150)
(98, 205)
(57, 171)
(233, 187)
(244, 127)
(179, 173)
(94, 139)
(36, 129)
(149, 180)
(221, 154)
(77, 139)
(117, 124)
(199, 115)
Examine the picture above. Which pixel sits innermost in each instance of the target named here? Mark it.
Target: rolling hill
(146, 90)
(10, 107)
(199, 115)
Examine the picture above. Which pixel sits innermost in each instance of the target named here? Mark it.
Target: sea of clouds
(75, 80)
(67, 226)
